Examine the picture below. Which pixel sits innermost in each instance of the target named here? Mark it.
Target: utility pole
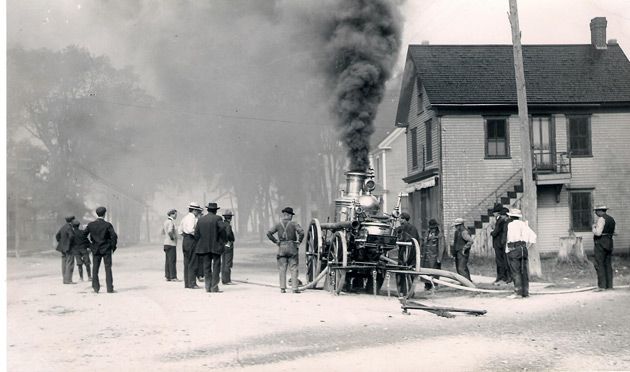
(529, 202)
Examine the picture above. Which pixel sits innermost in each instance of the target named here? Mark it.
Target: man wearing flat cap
(104, 241)
(603, 231)
(65, 237)
(187, 231)
(290, 236)
(209, 233)
(170, 244)
(80, 247)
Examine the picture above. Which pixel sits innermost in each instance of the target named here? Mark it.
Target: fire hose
(314, 282)
(481, 290)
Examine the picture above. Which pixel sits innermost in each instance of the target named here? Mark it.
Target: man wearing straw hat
(462, 242)
(603, 230)
(519, 235)
(187, 231)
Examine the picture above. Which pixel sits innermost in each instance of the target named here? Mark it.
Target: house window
(497, 138)
(414, 148)
(581, 210)
(580, 135)
(429, 141)
(420, 101)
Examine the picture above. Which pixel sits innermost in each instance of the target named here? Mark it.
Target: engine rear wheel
(314, 250)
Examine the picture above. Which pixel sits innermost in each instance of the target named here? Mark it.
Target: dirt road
(151, 324)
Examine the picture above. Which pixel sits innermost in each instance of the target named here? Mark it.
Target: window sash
(581, 211)
(429, 140)
(497, 138)
(414, 148)
(579, 135)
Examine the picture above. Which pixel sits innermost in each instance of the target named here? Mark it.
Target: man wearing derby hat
(519, 235)
(290, 236)
(603, 230)
(462, 243)
(64, 238)
(104, 241)
(209, 233)
(499, 239)
(187, 231)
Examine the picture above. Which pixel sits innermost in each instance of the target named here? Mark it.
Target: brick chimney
(598, 32)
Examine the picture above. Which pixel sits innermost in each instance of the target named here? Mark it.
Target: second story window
(429, 141)
(579, 135)
(414, 148)
(497, 138)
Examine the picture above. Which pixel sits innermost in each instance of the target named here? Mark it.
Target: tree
(56, 105)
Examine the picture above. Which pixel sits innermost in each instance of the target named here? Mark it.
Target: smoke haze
(362, 42)
(240, 105)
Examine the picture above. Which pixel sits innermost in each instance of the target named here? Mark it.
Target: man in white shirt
(187, 230)
(170, 242)
(519, 235)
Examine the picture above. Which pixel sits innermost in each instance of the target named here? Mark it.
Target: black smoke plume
(362, 42)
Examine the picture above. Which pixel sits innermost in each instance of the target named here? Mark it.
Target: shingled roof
(554, 74)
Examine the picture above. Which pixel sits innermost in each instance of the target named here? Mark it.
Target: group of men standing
(510, 238)
(75, 243)
(207, 245)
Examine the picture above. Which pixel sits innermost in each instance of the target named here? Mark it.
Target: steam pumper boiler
(355, 248)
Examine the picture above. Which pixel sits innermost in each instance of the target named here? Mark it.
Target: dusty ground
(151, 324)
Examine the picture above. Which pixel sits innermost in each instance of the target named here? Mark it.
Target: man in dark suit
(104, 240)
(64, 237)
(227, 259)
(209, 233)
(499, 240)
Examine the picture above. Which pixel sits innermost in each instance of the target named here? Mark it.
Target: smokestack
(598, 32)
(362, 42)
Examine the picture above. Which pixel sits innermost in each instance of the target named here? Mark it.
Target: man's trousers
(170, 263)
(292, 263)
(519, 266)
(190, 261)
(211, 263)
(227, 259)
(67, 267)
(603, 262)
(109, 280)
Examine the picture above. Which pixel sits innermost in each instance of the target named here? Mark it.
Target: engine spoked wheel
(337, 261)
(314, 250)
